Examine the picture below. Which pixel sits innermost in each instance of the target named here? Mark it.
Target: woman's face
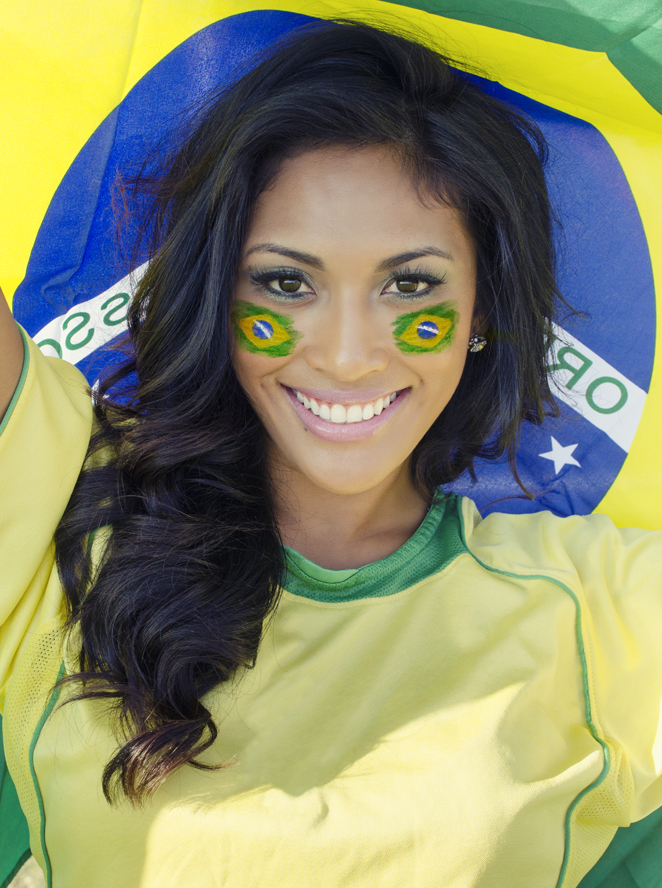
(340, 259)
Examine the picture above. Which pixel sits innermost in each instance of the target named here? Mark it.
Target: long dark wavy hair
(176, 602)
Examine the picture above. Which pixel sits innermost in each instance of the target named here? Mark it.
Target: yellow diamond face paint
(428, 331)
(262, 331)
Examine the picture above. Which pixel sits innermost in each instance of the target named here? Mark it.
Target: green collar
(436, 543)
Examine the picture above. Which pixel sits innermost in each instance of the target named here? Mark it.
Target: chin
(346, 481)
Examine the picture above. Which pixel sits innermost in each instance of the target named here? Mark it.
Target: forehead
(349, 200)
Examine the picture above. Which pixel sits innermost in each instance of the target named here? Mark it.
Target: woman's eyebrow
(393, 261)
(315, 262)
(297, 255)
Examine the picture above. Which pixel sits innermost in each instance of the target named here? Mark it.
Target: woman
(289, 658)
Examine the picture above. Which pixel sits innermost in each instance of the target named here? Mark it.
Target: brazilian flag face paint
(429, 330)
(262, 331)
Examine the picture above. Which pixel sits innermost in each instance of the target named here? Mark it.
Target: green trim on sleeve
(435, 544)
(588, 715)
(21, 380)
(42, 817)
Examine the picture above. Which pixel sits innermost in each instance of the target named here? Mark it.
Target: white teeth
(338, 413)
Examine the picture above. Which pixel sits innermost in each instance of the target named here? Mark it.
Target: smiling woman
(263, 623)
(354, 220)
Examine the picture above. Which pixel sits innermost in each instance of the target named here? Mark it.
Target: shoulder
(47, 386)
(582, 549)
(43, 441)
(61, 379)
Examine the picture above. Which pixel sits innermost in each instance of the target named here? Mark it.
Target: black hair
(177, 601)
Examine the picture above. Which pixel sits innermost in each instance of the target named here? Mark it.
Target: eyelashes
(262, 279)
(292, 277)
(415, 276)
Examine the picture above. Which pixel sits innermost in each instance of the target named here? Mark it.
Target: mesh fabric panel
(28, 696)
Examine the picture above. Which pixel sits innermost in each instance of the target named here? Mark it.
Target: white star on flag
(560, 456)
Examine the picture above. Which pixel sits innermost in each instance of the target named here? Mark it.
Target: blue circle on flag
(76, 289)
(427, 330)
(262, 330)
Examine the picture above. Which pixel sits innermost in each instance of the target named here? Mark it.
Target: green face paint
(262, 331)
(426, 331)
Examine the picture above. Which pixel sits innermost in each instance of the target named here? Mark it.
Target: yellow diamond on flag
(421, 331)
(263, 330)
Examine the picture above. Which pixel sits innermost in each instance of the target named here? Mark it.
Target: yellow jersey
(480, 709)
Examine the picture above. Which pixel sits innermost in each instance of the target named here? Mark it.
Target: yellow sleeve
(43, 441)
(614, 577)
(620, 572)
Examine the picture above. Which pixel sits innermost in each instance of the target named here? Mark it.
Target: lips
(340, 413)
(335, 421)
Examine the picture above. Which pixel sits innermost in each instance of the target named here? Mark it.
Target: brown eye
(405, 285)
(289, 284)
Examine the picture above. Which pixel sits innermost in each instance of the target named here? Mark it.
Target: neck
(340, 531)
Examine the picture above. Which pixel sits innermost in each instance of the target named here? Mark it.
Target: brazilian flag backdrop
(88, 87)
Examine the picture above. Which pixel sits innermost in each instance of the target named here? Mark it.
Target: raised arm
(11, 355)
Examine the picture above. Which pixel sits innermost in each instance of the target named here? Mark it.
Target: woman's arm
(11, 355)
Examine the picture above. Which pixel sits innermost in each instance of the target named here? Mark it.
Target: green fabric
(315, 572)
(14, 834)
(640, 61)
(634, 858)
(434, 545)
(630, 33)
(42, 814)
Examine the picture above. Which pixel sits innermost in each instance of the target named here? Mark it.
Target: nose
(348, 343)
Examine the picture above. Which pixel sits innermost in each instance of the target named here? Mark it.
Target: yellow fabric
(461, 732)
(42, 449)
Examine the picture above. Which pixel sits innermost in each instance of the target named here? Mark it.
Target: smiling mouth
(341, 414)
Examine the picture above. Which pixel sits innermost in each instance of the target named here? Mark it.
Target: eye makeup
(263, 331)
(291, 281)
(413, 276)
(427, 331)
(284, 277)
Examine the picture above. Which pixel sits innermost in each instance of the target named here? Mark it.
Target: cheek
(257, 375)
(440, 375)
(428, 331)
(249, 370)
(262, 331)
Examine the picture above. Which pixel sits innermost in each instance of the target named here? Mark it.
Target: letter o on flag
(595, 385)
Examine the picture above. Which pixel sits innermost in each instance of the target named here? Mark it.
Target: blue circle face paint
(77, 290)
(262, 330)
(427, 330)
